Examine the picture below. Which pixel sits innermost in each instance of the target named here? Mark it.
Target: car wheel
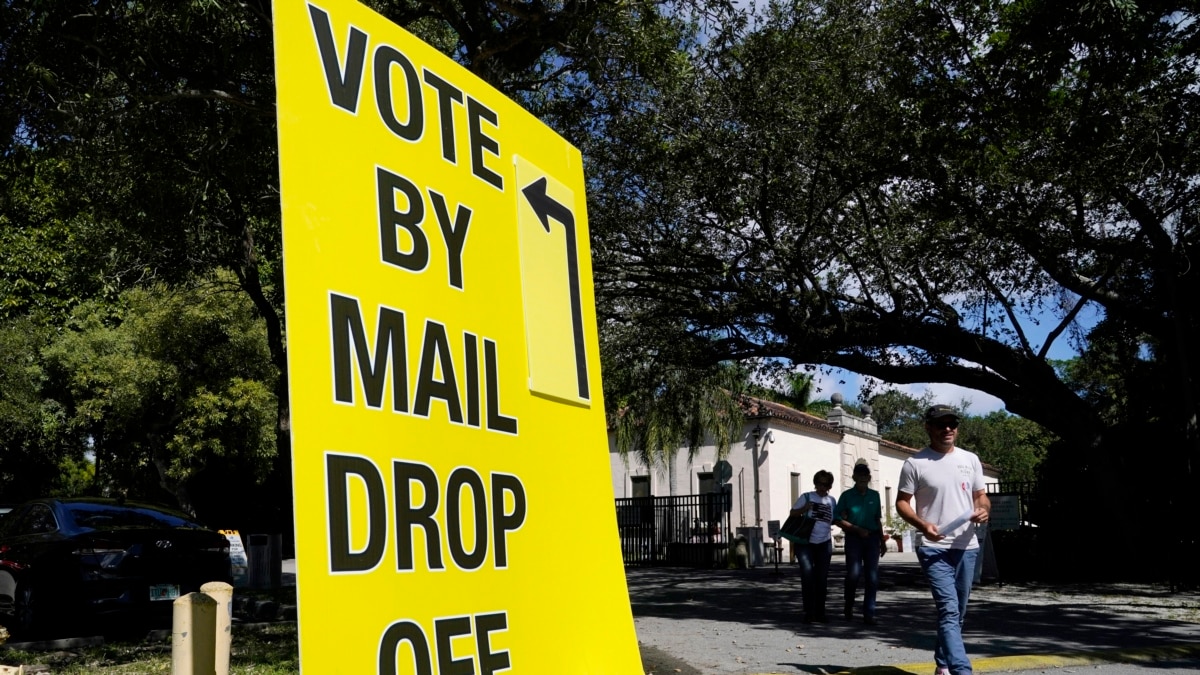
(26, 613)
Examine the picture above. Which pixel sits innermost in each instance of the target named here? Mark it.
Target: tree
(44, 271)
(793, 388)
(658, 406)
(875, 187)
(931, 192)
(895, 410)
(161, 119)
(172, 390)
(34, 434)
(1014, 445)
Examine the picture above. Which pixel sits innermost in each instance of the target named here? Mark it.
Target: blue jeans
(862, 556)
(950, 573)
(814, 578)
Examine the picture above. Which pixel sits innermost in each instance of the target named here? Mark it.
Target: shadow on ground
(1021, 619)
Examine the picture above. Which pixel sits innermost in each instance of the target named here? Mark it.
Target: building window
(706, 484)
(640, 485)
(795, 486)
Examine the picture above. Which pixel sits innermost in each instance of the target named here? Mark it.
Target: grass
(258, 649)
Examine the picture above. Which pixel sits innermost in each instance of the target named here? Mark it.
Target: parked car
(71, 558)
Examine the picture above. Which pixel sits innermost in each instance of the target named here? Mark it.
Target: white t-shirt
(821, 511)
(943, 485)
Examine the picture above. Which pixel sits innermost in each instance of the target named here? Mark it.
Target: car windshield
(111, 517)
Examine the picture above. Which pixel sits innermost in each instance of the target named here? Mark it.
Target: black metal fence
(1020, 554)
(1051, 545)
(685, 530)
(1030, 494)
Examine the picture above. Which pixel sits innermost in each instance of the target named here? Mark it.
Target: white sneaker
(941, 671)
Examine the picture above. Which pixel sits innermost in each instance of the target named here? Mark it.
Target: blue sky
(848, 383)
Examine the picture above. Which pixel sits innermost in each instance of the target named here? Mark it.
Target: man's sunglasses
(947, 424)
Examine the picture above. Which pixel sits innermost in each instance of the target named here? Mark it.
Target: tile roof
(903, 449)
(758, 408)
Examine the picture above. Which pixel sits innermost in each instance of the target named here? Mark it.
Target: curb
(263, 609)
(51, 645)
(1039, 661)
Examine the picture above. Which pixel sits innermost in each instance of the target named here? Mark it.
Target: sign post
(239, 564)
(454, 511)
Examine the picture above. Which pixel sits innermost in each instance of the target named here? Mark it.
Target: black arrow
(547, 208)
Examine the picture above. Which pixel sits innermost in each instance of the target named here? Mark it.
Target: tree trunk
(672, 474)
(278, 490)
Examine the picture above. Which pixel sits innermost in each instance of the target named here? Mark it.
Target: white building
(790, 447)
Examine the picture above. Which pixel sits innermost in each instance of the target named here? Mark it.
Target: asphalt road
(747, 622)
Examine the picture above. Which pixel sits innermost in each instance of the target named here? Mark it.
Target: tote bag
(797, 528)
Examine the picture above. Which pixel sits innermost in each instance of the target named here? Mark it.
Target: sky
(848, 383)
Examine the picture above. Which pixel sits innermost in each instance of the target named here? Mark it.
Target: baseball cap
(939, 411)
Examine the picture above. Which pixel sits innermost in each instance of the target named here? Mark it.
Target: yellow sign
(454, 511)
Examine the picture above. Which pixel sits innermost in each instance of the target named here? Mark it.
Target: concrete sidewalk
(748, 621)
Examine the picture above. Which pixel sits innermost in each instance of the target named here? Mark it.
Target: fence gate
(685, 530)
(1013, 536)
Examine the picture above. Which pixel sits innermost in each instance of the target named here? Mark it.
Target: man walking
(947, 483)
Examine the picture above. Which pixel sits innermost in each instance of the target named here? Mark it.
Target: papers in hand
(958, 522)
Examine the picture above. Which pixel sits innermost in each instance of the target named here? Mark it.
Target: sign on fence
(1005, 513)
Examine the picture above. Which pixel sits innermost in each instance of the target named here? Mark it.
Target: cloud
(981, 403)
(848, 384)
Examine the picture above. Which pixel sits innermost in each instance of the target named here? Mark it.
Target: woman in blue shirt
(860, 517)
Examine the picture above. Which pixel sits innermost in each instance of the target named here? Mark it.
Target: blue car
(70, 558)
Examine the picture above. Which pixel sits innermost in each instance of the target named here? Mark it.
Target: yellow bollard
(193, 635)
(223, 594)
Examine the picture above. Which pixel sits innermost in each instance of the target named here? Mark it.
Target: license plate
(164, 592)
